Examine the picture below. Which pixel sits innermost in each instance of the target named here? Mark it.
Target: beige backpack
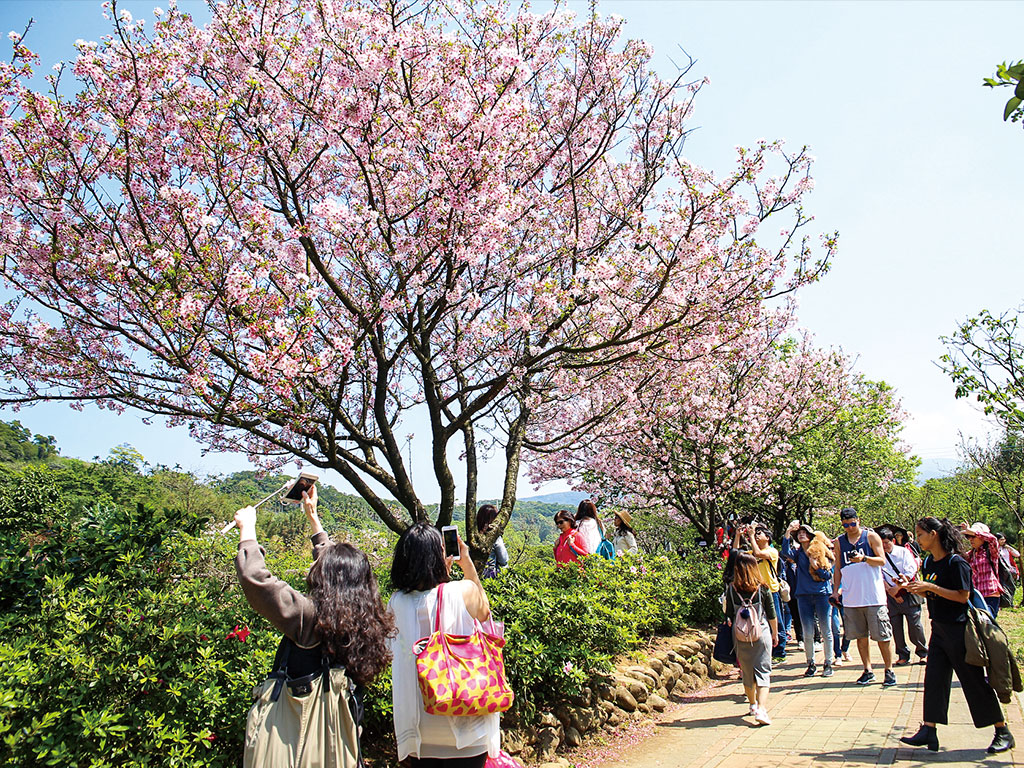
(305, 722)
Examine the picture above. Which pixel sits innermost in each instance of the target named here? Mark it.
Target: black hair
(564, 515)
(848, 513)
(587, 508)
(949, 535)
(486, 515)
(419, 559)
(765, 530)
(352, 622)
(623, 525)
(886, 533)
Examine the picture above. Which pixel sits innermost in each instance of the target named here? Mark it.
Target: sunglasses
(850, 525)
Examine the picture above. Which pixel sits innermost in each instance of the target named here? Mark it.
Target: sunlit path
(817, 722)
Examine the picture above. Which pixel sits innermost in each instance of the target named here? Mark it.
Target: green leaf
(1011, 105)
(1019, 90)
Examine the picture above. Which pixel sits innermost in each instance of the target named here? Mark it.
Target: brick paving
(819, 722)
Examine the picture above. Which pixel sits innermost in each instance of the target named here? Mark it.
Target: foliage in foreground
(126, 641)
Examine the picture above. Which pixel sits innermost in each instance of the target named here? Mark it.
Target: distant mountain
(570, 498)
(936, 468)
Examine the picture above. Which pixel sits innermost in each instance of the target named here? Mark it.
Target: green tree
(984, 358)
(1012, 76)
(853, 460)
(17, 443)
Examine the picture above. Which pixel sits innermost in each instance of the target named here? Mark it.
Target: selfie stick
(231, 523)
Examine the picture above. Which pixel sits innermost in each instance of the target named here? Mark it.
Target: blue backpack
(606, 549)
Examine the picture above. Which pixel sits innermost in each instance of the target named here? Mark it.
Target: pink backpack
(746, 625)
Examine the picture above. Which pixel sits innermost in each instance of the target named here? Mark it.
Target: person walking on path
(859, 561)
(946, 583)
(748, 592)
(984, 559)
(1009, 557)
(813, 588)
(901, 565)
(419, 566)
(767, 558)
(790, 613)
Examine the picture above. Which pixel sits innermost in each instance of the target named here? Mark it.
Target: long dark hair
(949, 535)
(587, 508)
(419, 563)
(351, 620)
(486, 515)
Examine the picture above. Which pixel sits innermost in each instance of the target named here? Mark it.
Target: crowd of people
(869, 586)
(864, 586)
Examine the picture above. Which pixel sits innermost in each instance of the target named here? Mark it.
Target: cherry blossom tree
(291, 227)
(707, 427)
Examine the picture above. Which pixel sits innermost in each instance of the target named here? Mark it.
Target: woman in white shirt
(588, 525)
(419, 566)
(624, 540)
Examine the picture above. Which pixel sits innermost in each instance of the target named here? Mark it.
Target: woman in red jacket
(570, 546)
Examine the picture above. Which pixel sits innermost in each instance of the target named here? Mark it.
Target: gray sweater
(290, 611)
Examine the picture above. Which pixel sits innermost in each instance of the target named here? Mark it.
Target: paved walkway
(818, 722)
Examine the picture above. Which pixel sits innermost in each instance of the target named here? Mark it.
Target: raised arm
(475, 597)
(291, 612)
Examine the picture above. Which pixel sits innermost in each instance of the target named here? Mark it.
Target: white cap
(978, 528)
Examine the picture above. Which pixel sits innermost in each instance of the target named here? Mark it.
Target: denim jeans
(993, 605)
(816, 608)
(840, 644)
(781, 612)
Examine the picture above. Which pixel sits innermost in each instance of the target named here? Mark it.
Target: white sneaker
(761, 716)
(753, 710)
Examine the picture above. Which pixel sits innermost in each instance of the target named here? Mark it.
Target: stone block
(548, 740)
(624, 699)
(573, 738)
(657, 703)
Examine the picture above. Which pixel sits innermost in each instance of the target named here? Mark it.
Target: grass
(1012, 622)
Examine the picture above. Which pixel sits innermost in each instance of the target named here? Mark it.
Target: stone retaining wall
(682, 664)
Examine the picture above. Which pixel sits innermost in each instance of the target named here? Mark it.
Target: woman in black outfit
(946, 582)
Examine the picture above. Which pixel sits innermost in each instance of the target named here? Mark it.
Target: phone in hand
(300, 485)
(450, 534)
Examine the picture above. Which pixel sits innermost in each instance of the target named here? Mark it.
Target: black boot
(1003, 740)
(927, 736)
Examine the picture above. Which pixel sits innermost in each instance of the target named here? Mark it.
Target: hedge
(126, 641)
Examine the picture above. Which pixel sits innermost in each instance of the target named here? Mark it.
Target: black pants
(477, 761)
(946, 653)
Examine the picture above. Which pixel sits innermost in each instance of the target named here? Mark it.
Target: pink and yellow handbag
(462, 674)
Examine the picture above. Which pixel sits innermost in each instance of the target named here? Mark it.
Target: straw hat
(625, 517)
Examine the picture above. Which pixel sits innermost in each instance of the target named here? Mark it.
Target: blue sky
(915, 168)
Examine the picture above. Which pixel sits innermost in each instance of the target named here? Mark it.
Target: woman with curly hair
(342, 617)
(417, 570)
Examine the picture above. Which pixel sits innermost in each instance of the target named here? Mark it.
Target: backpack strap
(280, 672)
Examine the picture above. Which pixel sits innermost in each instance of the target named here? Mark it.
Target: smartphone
(450, 534)
(300, 485)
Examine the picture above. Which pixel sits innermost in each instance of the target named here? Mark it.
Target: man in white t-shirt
(900, 561)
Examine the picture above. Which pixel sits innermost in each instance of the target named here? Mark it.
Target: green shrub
(118, 646)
